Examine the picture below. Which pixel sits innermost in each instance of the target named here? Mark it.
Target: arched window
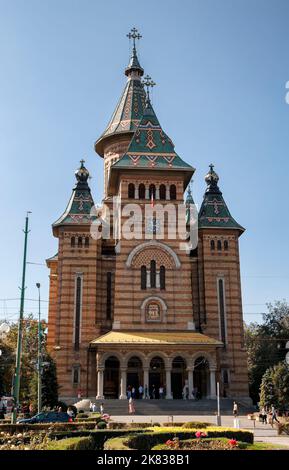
(108, 295)
(212, 244)
(131, 191)
(72, 242)
(153, 274)
(173, 192)
(162, 277)
(219, 245)
(86, 242)
(226, 245)
(152, 191)
(143, 274)
(79, 242)
(141, 191)
(222, 313)
(162, 192)
(77, 319)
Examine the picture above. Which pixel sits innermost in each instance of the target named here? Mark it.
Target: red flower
(233, 442)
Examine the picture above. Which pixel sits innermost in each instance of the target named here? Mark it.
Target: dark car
(47, 417)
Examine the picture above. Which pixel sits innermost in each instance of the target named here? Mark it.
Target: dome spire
(148, 83)
(212, 179)
(134, 65)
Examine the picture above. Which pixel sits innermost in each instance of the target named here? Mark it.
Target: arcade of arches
(180, 375)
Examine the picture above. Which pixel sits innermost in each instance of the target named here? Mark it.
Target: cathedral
(139, 304)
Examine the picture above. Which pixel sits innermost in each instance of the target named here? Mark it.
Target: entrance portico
(180, 363)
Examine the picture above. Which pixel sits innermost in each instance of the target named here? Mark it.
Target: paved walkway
(262, 432)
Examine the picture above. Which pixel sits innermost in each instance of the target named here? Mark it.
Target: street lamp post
(39, 363)
(16, 381)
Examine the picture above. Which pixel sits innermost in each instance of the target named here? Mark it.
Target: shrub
(101, 425)
(12, 428)
(99, 436)
(147, 440)
(196, 425)
(72, 443)
(117, 443)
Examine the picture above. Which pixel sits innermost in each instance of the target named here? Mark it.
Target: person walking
(128, 392)
(133, 393)
(140, 391)
(146, 392)
(131, 407)
(235, 409)
(264, 415)
(101, 408)
(153, 392)
(274, 416)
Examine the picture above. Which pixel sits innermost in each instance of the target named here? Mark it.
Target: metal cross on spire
(82, 162)
(148, 83)
(134, 34)
(211, 166)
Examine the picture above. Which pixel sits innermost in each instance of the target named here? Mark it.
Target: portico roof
(170, 337)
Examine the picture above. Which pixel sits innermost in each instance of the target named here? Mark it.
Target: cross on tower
(82, 162)
(134, 34)
(148, 83)
(211, 167)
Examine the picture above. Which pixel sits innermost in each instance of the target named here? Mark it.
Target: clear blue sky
(220, 67)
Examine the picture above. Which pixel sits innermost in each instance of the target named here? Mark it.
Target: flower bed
(156, 436)
(203, 443)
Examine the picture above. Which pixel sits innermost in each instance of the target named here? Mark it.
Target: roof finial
(212, 179)
(148, 83)
(134, 64)
(134, 34)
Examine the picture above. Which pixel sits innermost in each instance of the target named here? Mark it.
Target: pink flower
(204, 434)
(198, 434)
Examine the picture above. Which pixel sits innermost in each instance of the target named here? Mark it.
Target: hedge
(147, 440)
(99, 436)
(72, 443)
(12, 428)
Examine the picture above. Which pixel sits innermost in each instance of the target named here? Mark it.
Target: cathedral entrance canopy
(153, 338)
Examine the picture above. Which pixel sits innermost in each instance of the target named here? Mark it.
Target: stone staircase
(168, 407)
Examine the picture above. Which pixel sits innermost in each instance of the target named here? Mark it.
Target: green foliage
(101, 425)
(265, 344)
(72, 443)
(28, 381)
(275, 387)
(196, 425)
(147, 440)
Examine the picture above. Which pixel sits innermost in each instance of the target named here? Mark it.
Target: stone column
(168, 384)
(136, 194)
(158, 280)
(146, 380)
(191, 381)
(123, 376)
(213, 383)
(147, 194)
(167, 192)
(157, 192)
(100, 395)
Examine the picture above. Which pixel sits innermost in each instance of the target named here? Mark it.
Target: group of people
(264, 414)
(144, 393)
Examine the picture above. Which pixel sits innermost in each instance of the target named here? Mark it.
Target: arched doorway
(201, 377)
(111, 378)
(156, 376)
(134, 374)
(179, 377)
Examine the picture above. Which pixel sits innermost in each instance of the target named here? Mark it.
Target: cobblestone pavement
(262, 433)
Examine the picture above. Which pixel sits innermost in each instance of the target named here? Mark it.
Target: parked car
(47, 417)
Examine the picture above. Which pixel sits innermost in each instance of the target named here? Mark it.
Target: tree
(266, 344)
(28, 381)
(275, 387)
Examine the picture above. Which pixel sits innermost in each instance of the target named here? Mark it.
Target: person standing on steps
(131, 407)
(274, 416)
(101, 409)
(140, 391)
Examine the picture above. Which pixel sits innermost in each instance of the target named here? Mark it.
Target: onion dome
(78, 210)
(214, 212)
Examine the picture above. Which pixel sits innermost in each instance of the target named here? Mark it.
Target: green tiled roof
(150, 147)
(80, 203)
(214, 212)
(130, 107)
